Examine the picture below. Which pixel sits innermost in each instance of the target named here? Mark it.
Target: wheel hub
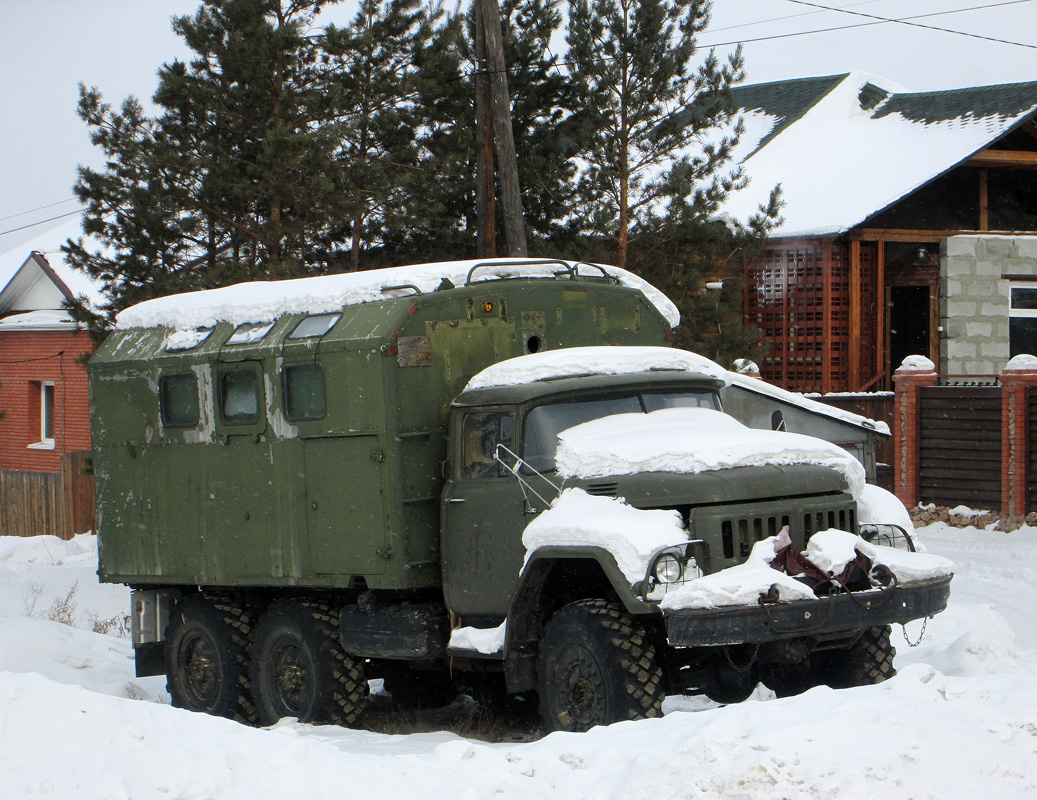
(583, 691)
(291, 679)
(201, 677)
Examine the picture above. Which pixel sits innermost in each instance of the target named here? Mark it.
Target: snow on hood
(690, 440)
(830, 550)
(571, 362)
(631, 535)
(262, 301)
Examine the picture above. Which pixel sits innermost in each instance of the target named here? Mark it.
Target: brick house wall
(30, 359)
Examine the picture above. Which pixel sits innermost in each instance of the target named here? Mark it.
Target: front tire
(868, 661)
(207, 657)
(597, 666)
(299, 668)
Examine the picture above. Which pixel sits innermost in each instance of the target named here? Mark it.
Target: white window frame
(1019, 313)
(46, 442)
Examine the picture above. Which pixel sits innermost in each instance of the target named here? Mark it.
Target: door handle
(455, 499)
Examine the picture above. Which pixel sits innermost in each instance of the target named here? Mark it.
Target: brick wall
(29, 359)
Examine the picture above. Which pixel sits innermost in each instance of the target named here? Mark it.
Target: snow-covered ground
(959, 721)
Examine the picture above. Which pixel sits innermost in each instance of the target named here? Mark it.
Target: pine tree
(235, 179)
(547, 134)
(374, 63)
(632, 62)
(661, 135)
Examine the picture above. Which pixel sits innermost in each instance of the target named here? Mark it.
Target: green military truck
(303, 495)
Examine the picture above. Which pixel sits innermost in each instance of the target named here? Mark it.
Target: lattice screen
(799, 295)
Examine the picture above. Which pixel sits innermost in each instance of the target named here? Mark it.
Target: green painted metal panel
(344, 513)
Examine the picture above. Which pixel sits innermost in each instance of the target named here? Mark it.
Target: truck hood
(714, 487)
(706, 443)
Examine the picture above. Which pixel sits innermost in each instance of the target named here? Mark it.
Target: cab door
(484, 513)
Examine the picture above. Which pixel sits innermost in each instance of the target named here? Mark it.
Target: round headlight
(668, 569)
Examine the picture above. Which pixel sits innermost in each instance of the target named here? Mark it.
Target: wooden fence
(968, 439)
(59, 504)
(960, 446)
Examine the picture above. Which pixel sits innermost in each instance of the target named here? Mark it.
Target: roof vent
(871, 96)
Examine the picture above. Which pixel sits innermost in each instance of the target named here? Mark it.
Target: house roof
(844, 147)
(35, 276)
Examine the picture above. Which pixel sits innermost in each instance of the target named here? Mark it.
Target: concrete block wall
(974, 299)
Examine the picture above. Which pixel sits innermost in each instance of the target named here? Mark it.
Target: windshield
(544, 423)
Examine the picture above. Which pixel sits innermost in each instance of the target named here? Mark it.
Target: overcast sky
(47, 47)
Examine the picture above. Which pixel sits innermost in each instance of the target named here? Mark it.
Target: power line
(38, 208)
(41, 222)
(782, 19)
(905, 21)
(873, 20)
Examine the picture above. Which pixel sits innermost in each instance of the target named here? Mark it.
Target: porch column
(1018, 376)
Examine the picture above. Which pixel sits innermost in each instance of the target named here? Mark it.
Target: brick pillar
(1016, 380)
(915, 373)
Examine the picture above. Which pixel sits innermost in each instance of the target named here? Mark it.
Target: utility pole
(485, 207)
(487, 21)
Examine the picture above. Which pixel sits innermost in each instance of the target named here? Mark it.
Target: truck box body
(312, 457)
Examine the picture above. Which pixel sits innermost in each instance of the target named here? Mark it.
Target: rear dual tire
(300, 670)
(208, 657)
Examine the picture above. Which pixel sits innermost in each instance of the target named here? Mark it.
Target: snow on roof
(845, 147)
(571, 362)
(38, 320)
(262, 301)
(690, 440)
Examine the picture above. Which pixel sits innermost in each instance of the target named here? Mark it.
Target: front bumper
(841, 613)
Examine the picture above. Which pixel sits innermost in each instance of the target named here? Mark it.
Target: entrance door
(909, 323)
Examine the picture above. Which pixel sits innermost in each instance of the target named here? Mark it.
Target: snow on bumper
(838, 613)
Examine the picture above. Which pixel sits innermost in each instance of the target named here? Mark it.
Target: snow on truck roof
(572, 362)
(263, 301)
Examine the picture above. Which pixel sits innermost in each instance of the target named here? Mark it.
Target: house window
(45, 390)
(47, 413)
(1022, 319)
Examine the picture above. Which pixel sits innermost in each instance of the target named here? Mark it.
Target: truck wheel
(597, 667)
(868, 661)
(299, 668)
(207, 657)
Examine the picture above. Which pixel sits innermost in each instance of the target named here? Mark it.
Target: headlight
(668, 569)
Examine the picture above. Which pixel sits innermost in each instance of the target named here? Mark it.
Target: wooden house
(883, 187)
